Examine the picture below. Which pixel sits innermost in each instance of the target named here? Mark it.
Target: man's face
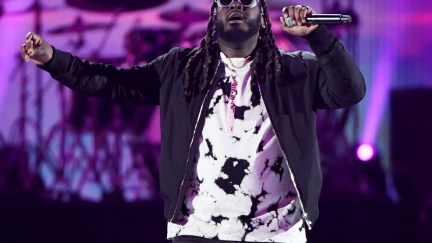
(237, 23)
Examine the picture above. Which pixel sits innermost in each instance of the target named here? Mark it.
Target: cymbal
(114, 5)
(185, 14)
(78, 26)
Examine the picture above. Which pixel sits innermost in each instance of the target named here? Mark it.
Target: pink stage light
(365, 152)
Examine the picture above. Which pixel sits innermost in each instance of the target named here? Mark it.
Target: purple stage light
(365, 152)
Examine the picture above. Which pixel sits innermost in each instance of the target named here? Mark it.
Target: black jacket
(327, 79)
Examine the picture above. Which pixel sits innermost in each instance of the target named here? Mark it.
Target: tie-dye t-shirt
(241, 189)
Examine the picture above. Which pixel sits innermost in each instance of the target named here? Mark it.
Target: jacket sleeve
(339, 80)
(136, 84)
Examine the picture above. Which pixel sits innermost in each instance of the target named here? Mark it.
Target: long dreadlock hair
(202, 64)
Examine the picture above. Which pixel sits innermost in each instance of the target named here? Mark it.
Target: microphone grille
(346, 19)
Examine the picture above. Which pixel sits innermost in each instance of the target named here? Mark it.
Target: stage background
(73, 169)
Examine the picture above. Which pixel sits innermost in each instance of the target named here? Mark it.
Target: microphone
(323, 19)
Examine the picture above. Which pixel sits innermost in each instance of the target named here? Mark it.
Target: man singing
(239, 154)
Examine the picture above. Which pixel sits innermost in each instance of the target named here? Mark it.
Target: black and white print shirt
(241, 189)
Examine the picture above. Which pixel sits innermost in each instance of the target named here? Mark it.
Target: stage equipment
(365, 152)
(78, 26)
(114, 5)
(185, 15)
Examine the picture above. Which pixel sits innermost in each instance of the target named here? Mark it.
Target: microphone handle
(324, 19)
(328, 19)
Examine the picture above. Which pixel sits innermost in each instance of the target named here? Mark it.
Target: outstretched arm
(138, 84)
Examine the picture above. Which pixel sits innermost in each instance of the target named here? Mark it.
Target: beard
(237, 34)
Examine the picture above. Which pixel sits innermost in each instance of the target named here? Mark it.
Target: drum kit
(141, 44)
(97, 139)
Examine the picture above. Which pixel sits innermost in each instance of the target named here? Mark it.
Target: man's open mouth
(236, 17)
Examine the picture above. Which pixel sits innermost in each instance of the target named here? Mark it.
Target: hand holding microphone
(298, 15)
(300, 20)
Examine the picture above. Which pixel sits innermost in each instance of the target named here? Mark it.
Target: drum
(147, 43)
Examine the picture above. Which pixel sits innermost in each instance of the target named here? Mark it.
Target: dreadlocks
(202, 64)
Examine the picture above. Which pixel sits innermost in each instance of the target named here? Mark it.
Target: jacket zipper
(304, 213)
(191, 143)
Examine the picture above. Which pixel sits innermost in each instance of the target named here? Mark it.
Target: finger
(37, 39)
(28, 42)
(29, 35)
(291, 14)
(285, 16)
(24, 55)
(282, 20)
(29, 38)
(285, 12)
(30, 50)
(303, 14)
(297, 14)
